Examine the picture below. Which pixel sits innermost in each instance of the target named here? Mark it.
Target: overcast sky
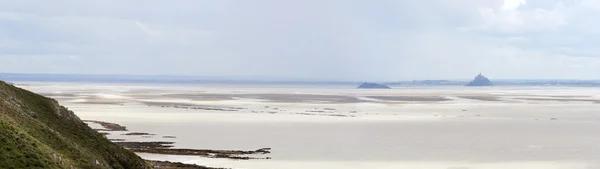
(304, 39)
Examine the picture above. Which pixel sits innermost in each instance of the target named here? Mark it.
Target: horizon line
(250, 79)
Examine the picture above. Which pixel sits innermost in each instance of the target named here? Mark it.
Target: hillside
(36, 132)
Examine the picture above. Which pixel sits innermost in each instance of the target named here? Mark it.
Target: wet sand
(313, 127)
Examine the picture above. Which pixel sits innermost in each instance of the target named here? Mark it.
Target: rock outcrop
(373, 86)
(480, 80)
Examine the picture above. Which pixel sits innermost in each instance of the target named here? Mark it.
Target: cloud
(311, 40)
(510, 19)
(511, 5)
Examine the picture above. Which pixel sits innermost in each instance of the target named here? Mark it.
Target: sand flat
(278, 164)
(324, 127)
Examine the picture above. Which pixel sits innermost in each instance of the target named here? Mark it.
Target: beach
(338, 126)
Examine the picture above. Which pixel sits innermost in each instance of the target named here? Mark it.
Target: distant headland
(367, 85)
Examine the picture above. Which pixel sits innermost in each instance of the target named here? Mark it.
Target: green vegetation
(36, 132)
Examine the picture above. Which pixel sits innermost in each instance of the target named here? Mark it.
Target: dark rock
(480, 80)
(373, 86)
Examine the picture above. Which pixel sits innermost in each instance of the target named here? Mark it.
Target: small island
(373, 86)
(480, 80)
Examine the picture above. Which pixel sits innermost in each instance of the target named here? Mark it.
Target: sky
(378, 40)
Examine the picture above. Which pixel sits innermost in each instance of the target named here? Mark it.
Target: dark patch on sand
(480, 98)
(286, 98)
(166, 148)
(552, 96)
(282, 98)
(105, 102)
(191, 106)
(333, 115)
(411, 98)
(138, 134)
(308, 98)
(560, 100)
(202, 96)
(174, 165)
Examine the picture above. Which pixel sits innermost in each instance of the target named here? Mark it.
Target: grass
(18, 150)
(36, 132)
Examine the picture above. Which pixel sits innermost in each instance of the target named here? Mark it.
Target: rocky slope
(36, 132)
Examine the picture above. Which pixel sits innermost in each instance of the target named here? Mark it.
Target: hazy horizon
(187, 79)
(384, 40)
